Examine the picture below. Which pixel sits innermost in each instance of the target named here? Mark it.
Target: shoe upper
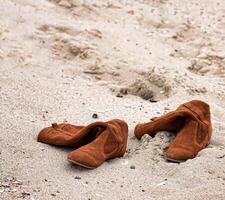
(110, 143)
(192, 124)
(93, 144)
(196, 133)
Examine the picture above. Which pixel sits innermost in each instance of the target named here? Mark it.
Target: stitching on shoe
(196, 114)
(201, 121)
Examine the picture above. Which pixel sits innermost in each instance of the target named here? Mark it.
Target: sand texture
(63, 60)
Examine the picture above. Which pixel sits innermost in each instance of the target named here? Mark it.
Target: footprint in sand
(65, 3)
(186, 32)
(76, 7)
(147, 85)
(54, 29)
(65, 41)
(209, 65)
(69, 50)
(155, 2)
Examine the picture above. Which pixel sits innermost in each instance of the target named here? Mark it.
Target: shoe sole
(82, 165)
(171, 159)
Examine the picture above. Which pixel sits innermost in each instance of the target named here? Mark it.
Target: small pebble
(54, 125)
(119, 95)
(153, 100)
(25, 194)
(77, 177)
(94, 116)
(132, 167)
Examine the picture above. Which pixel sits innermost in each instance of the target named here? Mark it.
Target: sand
(63, 60)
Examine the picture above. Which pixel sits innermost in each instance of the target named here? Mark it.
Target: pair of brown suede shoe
(95, 143)
(101, 141)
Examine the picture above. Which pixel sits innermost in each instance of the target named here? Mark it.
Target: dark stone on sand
(94, 116)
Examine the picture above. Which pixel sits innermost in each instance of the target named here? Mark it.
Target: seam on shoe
(113, 132)
(207, 134)
(196, 114)
(196, 132)
(64, 125)
(208, 126)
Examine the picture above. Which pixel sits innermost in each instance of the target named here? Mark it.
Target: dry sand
(63, 60)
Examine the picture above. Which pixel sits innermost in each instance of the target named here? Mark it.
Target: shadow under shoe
(110, 143)
(192, 124)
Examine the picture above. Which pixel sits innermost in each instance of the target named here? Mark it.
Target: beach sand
(64, 60)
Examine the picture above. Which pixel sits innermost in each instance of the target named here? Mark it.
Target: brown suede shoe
(191, 121)
(69, 135)
(109, 143)
(105, 140)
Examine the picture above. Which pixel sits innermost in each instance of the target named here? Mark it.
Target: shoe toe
(138, 132)
(43, 136)
(83, 159)
(178, 154)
